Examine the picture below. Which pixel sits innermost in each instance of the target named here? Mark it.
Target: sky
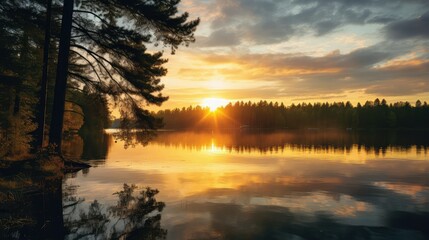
(294, 51)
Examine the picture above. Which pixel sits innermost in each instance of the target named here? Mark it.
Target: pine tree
(109, 38)
(20, 38)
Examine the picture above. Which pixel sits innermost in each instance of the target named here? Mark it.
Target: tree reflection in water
(135, 216)
(133, 137)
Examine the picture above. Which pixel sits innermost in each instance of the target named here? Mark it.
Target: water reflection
(278, 185)
(96, 145)
(233, 221)
(135, 216)
(133, 137)
(44, 213)
(378, 142)
(30, 207)
(86, 145)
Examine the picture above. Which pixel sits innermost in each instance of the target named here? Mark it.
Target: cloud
(325, 27)
(266, 31)
(219, 38)
(382, 19)
(401, 86)
(267, 21)
(299, 49)
(410, 28)
(377, 68)
(266, 92)
(360, 58)
(320, 97)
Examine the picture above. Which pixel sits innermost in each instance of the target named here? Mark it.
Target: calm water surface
(279, 185)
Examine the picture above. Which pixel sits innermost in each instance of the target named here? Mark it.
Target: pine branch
(95, 56)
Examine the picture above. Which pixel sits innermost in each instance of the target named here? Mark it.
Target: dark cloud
(357, 59)
(411, 28)
(266, 21)
(382, 19)
(266, 31)
(325, 27)
(229, 12)
(219, 38)
(363, 57)
(360, 58)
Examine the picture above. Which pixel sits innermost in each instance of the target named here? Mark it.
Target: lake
(252, 185)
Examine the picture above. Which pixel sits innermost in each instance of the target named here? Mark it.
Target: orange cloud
(403, 64)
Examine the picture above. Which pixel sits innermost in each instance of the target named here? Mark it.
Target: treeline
(268, 115)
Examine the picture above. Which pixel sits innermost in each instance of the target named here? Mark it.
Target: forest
(268, 115)
(64, 64)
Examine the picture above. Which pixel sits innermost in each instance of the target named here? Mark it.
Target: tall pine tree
(107, 43)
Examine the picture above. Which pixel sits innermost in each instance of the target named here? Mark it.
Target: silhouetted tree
(108, 39)
(41, 113)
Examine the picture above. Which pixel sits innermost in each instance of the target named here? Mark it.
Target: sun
(214, 103)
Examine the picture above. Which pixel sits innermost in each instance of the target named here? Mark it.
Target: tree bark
(56, 127)
(40, 131)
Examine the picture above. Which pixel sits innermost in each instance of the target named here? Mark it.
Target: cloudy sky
(303, 50)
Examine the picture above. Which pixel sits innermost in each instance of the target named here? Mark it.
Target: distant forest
(268, 115)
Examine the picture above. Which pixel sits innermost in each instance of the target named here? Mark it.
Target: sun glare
(214, 103)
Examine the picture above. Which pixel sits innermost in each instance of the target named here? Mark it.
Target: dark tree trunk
(17, 101)
(39, 134)
(23, 58)
(56, 127)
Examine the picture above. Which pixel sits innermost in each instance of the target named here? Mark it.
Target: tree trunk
(56, 127)
(39, 134)
(23, 57)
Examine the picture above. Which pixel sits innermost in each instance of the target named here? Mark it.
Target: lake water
(254, 185)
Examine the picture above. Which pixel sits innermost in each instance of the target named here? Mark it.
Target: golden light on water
(214, 103)
(197, 172)
(191, 165)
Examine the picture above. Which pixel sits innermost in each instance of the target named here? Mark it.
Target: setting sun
(214, 103)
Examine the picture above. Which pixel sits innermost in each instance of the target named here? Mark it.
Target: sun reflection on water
(202, 174)
(213, 148)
